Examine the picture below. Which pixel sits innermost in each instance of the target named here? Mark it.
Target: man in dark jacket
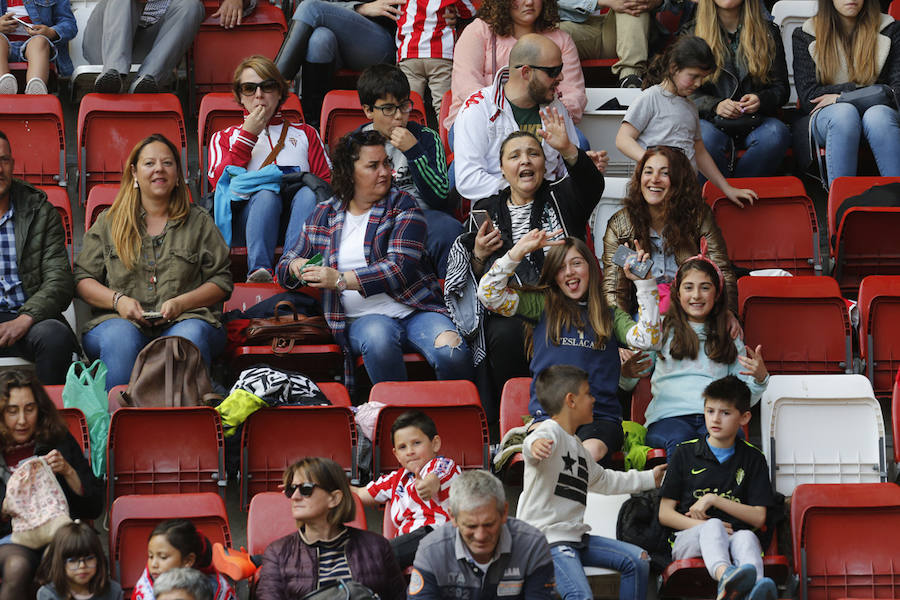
(36, 282)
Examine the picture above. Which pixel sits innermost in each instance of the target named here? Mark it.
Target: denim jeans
(766, 146)
(838, 127)
(257, 224)
(668, 433)
(49, 344)
(117, 342)
(381, 341)
(627, 559)
(443, 229)
(344, 37)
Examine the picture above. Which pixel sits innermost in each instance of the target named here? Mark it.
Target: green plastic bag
(235, 409)
(85, 389)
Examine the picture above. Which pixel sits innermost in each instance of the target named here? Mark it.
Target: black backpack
(639, 524)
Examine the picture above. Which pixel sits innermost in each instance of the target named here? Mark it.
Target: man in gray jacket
(36, 282)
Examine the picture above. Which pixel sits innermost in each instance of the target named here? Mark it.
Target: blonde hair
(124, 216)
(859, 47)
(755, 39)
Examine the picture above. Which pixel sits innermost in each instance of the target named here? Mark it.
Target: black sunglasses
(248, 88)
(552, 72)
(306, 489)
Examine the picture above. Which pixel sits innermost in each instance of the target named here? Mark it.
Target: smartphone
(22, 23)
(479, 217)
(626, 256)
(152, 315)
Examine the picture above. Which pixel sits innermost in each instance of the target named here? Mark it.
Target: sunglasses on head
(660, 147)
(306, 489)
(248, 88)
(552, 72)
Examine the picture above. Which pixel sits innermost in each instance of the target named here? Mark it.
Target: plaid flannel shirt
(12, 293)
(394, 244)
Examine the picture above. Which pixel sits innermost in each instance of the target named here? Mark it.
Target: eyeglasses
(74, 562)
(552, 72)
(306, 489)
(389, 110)
(248, 88)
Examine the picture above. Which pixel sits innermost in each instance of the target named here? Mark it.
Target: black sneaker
(631, 81)
(145, 84)
(108, 82)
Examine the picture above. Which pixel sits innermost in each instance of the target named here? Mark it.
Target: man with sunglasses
(511, 103)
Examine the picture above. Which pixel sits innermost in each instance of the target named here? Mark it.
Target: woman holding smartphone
(530, 202)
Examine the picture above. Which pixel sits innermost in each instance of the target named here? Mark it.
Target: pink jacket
(472, 62)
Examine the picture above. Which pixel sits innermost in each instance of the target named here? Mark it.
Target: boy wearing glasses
(417, 155)
(419, 490)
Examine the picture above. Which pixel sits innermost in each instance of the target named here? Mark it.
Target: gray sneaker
(145, 84)
(108, 82)
(736, 582)
(260, 276)
(8, 84)
(763, 590)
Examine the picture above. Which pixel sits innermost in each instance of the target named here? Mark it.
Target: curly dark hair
(496, 14)
(683, 204)
(50, 428)
(343, 158)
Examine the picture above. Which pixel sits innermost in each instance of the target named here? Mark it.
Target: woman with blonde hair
(739, 102)
(848, 45)
(153, 264)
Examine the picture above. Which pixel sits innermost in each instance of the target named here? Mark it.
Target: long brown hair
(755, 45)
(124, 216)
(683, 205)
(858, 48)
(74, 540)
(684, 343)
(561, 311)
(50, 428)
(496, 14)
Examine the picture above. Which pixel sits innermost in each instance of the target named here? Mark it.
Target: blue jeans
(668, 433)
(381, 341)
(117, 342)
(256, 223)
(344, 37)
(838, 127)
(628, 559)
(766, 146)
(443, 229)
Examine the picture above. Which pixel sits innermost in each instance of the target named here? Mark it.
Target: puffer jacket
(41, 255)
(620, 291)
(290, 567)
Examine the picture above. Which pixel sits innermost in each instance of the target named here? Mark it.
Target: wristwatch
(341, 284)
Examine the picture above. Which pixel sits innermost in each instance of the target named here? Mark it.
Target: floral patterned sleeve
(645, 335)
(493, 291)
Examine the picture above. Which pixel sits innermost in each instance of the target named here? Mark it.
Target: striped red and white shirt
(422, 31)
(17, 8)
(408, 511)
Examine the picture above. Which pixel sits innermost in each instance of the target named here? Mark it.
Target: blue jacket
(58, 15)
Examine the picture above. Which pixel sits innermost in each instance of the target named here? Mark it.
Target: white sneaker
(35, 86)
(260, 276)
(8, 84)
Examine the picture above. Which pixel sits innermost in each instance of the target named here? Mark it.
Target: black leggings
(19, 566)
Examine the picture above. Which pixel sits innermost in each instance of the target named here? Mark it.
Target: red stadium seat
(55, 393)
(446, 101)
(865, 242)
(688, 578)
(786, 215)
(895, 417)
(37, 136)
(273, 438)
(99, 199)
(513, 409)
(879, 330)
(336, 393)
(218, 110)
(165, 451)
(843, 542)
(894, 9)
(246, 295)
(342, 113)
(110, 125)
(801, 322)
(59, 198)
(78, 427)
(133, 518)
(406, 393)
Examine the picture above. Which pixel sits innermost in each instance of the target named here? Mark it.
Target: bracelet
(116, 297)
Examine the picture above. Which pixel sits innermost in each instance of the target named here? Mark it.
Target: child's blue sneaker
(763, 590)
(736, 582)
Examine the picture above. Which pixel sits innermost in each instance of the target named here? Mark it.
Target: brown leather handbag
(283, 331)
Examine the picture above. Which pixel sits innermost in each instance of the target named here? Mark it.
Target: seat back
(59, 198)
(446, 101)
(641, 397)
(601, 126)
(78, 427)
(133, 518)
(840, 539)
(246, 295)
(342, 113)
(879, 330)
(111, 125)
(783, 211)
(274, 438)
(811, 309)
(463, 430)
(416, 393)
(99, 199)
(611, 201)
(37, 137)
(514, 403)
(789, 15)
(165, 451)
(895, 417)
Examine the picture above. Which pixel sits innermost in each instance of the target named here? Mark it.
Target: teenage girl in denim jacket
(51, 25)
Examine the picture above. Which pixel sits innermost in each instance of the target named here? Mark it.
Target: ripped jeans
(381, 341)
(629, 560)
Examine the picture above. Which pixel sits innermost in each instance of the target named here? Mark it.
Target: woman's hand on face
(487, 240)
(600, 159)
(736, 195)
(641, 257)
(734, 327)
(754, 364)
(296, 267)
(531, 241)
(58, 464)
(728, 109)
(257, 119)
(320, 277)
(749, 104)
(824, 100)
(131, 309)
(553, 131)
(380, 8)
(171, 308)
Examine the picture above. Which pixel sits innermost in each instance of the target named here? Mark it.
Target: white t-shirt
(665, 119)
(351, 255)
